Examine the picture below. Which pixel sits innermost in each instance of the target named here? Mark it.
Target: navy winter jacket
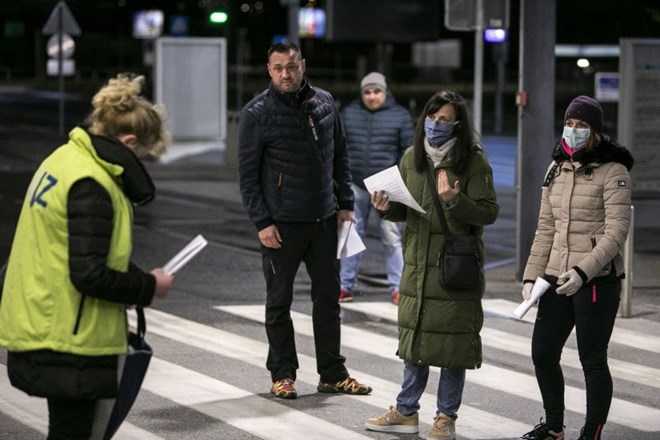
(292, 158)
(376, 139)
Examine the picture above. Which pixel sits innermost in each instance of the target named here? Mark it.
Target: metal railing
(627, 286)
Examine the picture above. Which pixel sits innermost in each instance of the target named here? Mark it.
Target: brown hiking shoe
(284, 389)
(394, 421)
(345, 386)
(444, 428)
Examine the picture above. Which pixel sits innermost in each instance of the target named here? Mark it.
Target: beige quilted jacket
(584, 216)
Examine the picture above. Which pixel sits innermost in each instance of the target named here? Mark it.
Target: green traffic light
(218, 17)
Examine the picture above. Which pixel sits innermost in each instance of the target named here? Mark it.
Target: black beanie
(586, 109)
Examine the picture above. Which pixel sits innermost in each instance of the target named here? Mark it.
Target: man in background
(378, 131)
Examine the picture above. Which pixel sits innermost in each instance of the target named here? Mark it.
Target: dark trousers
(316, 245)
(70, 419)
(592, 310)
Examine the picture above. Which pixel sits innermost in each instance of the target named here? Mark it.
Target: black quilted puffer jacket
(292, 157)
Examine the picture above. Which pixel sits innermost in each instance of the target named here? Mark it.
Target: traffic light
(218, 17)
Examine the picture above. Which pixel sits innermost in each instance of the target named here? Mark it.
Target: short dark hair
(283, 47)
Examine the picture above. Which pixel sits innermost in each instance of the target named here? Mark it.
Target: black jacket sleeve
(90, 219)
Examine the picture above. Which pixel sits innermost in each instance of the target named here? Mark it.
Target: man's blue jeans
(390, 236)
(450, 389)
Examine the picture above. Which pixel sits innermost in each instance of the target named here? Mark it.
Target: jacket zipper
(310, 121)
(79, 315)
(593, 287)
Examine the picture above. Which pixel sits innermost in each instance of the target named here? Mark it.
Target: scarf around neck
(438, 154)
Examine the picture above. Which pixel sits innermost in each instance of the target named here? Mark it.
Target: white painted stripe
(521, 345)
(29, 411)
(242, 409)
(474, 424)
(622, 412)
(643, 341)
(504, 309)
(33, 411)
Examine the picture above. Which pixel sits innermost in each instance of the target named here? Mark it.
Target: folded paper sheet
(540, 286)
(185, 255)
(390, 181)
(348, 240)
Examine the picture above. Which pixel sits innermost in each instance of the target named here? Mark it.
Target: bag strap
(438, 206)
(551, 175)
(436, 202)
(141, 322)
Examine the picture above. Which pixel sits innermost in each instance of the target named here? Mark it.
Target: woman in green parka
(438, 327)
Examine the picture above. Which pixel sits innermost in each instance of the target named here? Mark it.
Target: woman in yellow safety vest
(69, 277)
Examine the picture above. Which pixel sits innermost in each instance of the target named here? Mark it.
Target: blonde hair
(118, 109)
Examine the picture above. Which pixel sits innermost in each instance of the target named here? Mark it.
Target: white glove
(571, 285)
(527, 290)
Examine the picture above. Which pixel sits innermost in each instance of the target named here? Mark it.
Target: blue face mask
(576, 138)
(438, 132)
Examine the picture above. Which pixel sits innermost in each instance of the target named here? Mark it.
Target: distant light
(583, 62)
(218, 17)
(587, 50)
(495, 35)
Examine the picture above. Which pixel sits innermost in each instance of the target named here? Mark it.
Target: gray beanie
(374, 79)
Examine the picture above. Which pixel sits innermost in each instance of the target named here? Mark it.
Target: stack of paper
(540, 286)
(390, 181)
(185, 255)
(348, 240)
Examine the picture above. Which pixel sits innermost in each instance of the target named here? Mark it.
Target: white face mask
(576, 138)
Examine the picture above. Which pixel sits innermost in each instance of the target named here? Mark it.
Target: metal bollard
(627, 285)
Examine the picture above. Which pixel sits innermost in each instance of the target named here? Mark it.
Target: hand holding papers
(540, 286)
(348, 240)
(390, 181)
(185, 255)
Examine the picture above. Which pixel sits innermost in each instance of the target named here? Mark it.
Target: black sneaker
(543, 432)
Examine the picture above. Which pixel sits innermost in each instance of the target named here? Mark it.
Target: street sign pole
(61, 20)
(475, 16)
(60, 63)
(478, 65)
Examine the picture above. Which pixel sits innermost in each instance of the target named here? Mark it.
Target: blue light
(495, 35)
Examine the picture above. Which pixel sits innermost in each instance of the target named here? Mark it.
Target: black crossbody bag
(459, 264)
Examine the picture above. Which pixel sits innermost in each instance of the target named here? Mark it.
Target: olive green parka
(436, 326)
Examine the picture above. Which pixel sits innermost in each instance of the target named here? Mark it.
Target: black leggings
(592, 311)
(70, 419)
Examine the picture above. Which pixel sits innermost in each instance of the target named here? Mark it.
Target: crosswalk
(208, 380)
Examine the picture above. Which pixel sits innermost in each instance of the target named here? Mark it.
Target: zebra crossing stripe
(622, 412)
(521, 345)
(249, 412)
(630, 338)
(478, 424)
(33, 411)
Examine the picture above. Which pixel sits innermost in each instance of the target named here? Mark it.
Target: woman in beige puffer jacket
(583, 225)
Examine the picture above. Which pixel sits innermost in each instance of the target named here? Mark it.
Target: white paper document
(348, 240)
(185, 255)
(540, 286)
(390, 181)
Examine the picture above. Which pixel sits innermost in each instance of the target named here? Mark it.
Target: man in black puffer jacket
(296, 186)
